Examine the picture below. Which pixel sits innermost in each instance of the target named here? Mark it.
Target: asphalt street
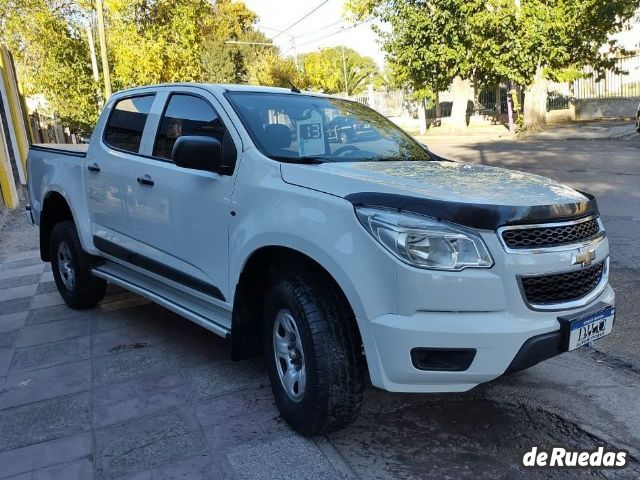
(130, 391)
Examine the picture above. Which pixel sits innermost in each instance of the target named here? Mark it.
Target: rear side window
(187, 115)
(126, 123)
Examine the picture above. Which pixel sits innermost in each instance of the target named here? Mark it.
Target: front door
(109, 174)
(182, 215)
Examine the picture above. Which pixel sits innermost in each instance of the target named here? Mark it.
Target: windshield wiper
(303, 160)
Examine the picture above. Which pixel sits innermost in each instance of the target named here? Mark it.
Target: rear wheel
(638, 123)
(71, 268)
(313, 355)
(345, 137)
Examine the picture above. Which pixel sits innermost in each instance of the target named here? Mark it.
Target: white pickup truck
(334, 247)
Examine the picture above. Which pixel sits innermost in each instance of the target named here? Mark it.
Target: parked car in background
(346, 129)
(638, 119)
(230, 206)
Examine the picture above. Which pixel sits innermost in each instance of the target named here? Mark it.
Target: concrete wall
(593, 109)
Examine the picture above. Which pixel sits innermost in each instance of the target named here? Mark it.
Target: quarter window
(127, 121)
(187, 115)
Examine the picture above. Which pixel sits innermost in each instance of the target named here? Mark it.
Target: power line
(300, 20)
(334, 33)
(305, 34)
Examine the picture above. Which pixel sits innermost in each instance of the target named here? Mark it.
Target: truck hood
(447, 190)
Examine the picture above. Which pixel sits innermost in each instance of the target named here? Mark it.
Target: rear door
(110, 174)
(182, 215)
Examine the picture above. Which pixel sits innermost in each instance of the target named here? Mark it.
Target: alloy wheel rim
(289, 355)
(65, 266)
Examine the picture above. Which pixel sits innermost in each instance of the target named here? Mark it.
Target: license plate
(583, 328)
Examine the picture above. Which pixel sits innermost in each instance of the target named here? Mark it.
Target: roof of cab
(218, 87)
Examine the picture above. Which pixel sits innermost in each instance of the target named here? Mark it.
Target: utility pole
(344, 70)
(94, 63)
(103, 50)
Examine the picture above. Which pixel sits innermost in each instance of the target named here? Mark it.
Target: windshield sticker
(311, 135)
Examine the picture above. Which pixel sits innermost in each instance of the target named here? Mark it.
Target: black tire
(333, 359)
(86, 290)
(638, 123)
(345, 137)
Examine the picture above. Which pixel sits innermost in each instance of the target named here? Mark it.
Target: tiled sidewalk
(128, 390)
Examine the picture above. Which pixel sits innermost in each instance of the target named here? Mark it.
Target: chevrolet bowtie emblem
(584, 258)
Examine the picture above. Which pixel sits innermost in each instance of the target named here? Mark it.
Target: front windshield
(298, 127)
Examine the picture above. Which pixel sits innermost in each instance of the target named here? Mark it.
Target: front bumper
(497, 338)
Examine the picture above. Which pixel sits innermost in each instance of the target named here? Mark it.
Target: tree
(432, 42)
(229, 63)
(326, 70)
(52, 57)
(272, 70)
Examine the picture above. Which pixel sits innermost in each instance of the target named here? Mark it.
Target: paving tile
(201, 467)
(21, 271)
(109, 320)
(25, 262)
(14, 305)
(76, 470)
(46, 276)
(47, 287)
(8, 339)
(13, 257)
(20, 281)
(54, 331)
(41, 455)
(6, 354)
(49, 354)
(200, 348)
(45, 420)
(12, 321)
(147, 442)
(129, 363)
(148, 333)
(46, 300)
(291, 457)
(240, 417)
(18, 292)
(22, 388)
(122, 401)
(53, 314)
(218, 378)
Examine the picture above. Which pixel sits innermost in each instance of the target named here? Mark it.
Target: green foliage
(229, 63)
(433, 41)
(272, 70)
(326, 70)
(52, 57)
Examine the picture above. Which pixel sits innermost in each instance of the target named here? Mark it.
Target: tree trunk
(438, 107)
(460, 90)
(535, 104)
(512, 125)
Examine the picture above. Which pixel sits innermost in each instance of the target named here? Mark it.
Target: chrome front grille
(532, 237)
(561, 288)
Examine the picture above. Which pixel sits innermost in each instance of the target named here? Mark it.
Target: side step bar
(204, 322)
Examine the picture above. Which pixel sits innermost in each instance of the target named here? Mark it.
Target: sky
(327, 21)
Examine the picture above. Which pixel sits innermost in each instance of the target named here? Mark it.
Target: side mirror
(198, 153)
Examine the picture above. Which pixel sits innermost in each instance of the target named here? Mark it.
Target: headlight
(425, 242)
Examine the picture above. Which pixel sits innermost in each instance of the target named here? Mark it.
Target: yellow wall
(14, 109)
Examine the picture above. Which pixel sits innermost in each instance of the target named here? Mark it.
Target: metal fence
(621, 82)
(390, 103)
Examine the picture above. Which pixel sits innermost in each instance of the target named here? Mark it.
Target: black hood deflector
(479, 216)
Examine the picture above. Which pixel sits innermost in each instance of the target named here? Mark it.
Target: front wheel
(71, 267)
(638, 123)
(313, 355)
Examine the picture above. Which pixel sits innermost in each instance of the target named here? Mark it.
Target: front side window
(298, 127)
(186, 115)
(127, 121)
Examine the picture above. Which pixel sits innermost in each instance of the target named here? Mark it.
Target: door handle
(94, 167)
(146, 181)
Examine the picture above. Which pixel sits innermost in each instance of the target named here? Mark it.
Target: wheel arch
(258, 272)
(55, 209)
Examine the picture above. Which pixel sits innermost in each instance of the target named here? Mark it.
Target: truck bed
(77, 149)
